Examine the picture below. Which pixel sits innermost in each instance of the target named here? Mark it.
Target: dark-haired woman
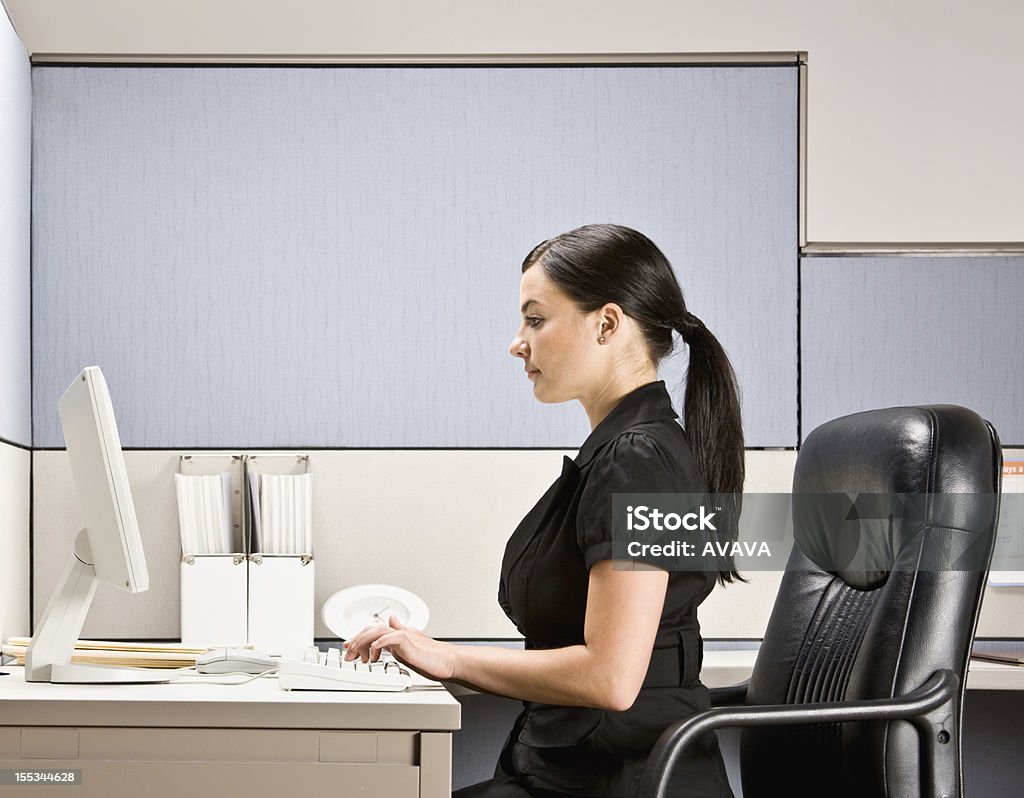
(612, 654)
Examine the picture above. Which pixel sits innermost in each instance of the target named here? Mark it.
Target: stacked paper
(285, 524)
(140, 655)
(204, 513)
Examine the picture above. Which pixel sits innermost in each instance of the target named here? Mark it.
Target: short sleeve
(634, 462)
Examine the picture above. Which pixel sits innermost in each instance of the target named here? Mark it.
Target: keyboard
(326, 670)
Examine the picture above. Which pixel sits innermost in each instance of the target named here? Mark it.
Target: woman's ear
(609, 321)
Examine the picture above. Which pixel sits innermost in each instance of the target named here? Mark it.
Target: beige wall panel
(913, 127)
(1002, 613)
(434, 522)
(769, 471)
(114, 613)
(742, 609)
(15, 470)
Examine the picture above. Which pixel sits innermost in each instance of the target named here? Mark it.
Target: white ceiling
(315, 30)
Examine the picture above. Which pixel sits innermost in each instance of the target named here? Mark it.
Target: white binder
(214, 600)
(281, 603)
(281, 583)
(214, 587)
(251, 596)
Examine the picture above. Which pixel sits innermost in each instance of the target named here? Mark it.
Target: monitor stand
(48, 658)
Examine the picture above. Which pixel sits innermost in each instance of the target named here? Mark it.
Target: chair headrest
(866, 486)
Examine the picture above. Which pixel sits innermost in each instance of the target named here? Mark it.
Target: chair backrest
(881, 500)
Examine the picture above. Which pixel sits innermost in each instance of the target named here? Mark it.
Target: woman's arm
(623, 612)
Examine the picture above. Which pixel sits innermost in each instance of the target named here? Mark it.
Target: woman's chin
(548, 397)
(540, 394)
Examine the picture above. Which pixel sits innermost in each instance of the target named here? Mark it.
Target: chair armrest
(926, 707)
(731, 696)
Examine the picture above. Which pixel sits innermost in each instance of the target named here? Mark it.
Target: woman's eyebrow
(527, 304)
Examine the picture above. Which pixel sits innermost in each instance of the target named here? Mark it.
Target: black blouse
(638, 448)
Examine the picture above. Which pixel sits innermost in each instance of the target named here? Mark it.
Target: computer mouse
(233, 660)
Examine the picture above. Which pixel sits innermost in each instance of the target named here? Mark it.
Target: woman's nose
(518, 347)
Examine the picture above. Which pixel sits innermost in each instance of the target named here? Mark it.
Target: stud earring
(600, 340)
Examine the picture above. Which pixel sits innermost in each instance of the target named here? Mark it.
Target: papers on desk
(106, 652)
(204, 513)
(282, 513)
(1003, 657)
(1009, 546)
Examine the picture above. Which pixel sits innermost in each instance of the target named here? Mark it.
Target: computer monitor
(108, 549)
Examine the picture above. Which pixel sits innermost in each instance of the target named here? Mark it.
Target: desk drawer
(247, 745)
(44, 743)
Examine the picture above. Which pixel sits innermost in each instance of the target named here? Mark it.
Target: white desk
(255, 739)
(724, 668)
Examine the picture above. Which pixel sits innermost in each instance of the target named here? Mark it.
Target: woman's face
(556, 341)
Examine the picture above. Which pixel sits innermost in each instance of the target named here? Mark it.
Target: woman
(612, 654)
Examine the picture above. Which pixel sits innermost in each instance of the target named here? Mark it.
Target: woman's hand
(411, 647)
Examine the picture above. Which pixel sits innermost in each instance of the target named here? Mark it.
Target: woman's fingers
(390, 639)
(368, 634)
(359, 643)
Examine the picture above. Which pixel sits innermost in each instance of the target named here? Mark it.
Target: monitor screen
(101, 482)
(107, 549)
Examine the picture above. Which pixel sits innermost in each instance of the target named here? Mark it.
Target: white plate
(349, 610)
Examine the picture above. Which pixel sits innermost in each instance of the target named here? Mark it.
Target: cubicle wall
(15, 366)
(329, 257)
(441, 535)
(15, 165)
(883, 331)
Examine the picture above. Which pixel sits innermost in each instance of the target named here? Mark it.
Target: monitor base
(88, 673)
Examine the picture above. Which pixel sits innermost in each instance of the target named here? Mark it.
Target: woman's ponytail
(714, 430)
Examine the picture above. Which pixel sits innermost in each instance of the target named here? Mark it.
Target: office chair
(871, 631)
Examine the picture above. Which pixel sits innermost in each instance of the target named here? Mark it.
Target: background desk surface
(724, 668)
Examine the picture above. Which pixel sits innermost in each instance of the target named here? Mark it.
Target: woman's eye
(532, 321)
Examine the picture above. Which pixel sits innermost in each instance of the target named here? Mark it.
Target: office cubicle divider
(879, 331)
(328, 257)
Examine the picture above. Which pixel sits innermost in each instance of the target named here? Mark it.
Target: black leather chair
(871, 631)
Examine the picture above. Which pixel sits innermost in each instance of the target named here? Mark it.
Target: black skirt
(576, 751)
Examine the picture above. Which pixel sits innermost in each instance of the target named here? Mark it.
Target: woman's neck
(610, 394)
